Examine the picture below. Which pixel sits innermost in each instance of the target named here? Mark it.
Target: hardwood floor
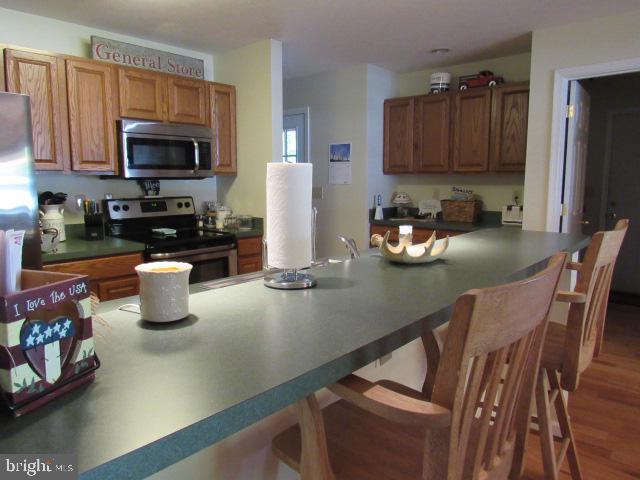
(605, 410)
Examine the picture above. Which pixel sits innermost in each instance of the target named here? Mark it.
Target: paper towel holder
(292, 279)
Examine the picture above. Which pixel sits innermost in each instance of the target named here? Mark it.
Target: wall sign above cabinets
(130, 55)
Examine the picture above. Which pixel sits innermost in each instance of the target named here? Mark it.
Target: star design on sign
(35, 329)
(67, 323)
(40, 338)
(56, 327)
(63, 332)
(48, 332)
(29, 341)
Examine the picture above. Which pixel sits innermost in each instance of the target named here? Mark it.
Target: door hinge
(564, 211)
(571, 111)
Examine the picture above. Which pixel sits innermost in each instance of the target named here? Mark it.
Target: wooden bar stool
(384, 430)
(569, 350)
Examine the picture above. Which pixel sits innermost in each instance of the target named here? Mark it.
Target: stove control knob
(187, 204)
(125, 208)
(116, 208)
(179, 204)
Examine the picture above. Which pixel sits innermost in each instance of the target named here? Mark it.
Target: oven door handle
(189, 253)
(196, 155)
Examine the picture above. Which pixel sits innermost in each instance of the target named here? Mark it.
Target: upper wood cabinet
(142, 94)
(510, 111)
(472, 123)
(91, 90)
(42, 78)
(399, 135)
(223, 122)
(187, 100)
(432, 122)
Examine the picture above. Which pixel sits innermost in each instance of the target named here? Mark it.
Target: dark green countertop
(165, 392)
(77, 248)
(256, 231)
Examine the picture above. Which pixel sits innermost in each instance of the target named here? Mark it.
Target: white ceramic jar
(51, 216)
(164, 291)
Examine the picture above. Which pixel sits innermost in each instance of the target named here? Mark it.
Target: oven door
(165, 156)
(208, 263)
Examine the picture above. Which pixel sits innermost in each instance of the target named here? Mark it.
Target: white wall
(381, 84)
(338, 113)
(32, 31)
(585, 43)
(256, 71)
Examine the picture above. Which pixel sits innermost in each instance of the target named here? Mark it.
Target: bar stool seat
(474, 426)
(362, 445)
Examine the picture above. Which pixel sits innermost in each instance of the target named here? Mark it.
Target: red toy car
(482, 79)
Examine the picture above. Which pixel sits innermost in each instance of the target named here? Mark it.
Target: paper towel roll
(289, 215)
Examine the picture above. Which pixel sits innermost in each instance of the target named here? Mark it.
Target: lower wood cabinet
(419, 234)
(249, 255)
(110, 277)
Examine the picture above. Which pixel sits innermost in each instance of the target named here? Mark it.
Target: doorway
(295, 135)
(602, 168)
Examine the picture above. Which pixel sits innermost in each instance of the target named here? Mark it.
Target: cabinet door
(42, 78)
(433, 118)
(223, 122)
(90, 87)
(118, 288)
(509, 112)
(187, 100)
(249, 264)
(398, 135)
(141, 94)
(471, 130)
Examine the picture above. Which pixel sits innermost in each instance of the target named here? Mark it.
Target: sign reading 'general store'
(142, 57)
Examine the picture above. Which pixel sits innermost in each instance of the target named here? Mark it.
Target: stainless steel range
(167, 226)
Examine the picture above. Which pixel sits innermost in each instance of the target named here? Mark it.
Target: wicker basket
(466, 211)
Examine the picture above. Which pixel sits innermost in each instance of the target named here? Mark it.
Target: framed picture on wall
(340, 164)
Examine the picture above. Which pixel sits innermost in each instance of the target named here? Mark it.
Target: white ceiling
(321, 35)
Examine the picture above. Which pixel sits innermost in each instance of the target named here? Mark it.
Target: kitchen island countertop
(165, 392)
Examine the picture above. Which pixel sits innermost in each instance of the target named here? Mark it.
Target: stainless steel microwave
(162, 150)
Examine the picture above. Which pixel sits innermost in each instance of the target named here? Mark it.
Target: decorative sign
(122, 53)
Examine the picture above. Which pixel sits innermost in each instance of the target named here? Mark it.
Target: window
(289, 145)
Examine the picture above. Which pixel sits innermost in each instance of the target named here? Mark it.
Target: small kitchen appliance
(168, 228)
(162, 150)
(512, 215)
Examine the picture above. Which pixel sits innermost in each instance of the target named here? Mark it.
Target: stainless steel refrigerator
(18, 198)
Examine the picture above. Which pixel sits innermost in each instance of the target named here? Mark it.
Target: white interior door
(575, 158)
(295, 136)
(623, 195)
